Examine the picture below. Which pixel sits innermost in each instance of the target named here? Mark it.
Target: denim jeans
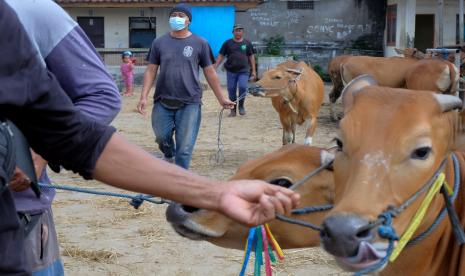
(235, 80)
(184, 123)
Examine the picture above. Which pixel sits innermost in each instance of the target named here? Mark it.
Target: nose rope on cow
(436, 184)
(384, 222)
(308, 209)
(293, 81)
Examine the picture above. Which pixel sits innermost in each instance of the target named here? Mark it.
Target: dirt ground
(106, 236)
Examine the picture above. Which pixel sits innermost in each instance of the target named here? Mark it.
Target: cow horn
(297, 71)
(448, 102)
(353, 87)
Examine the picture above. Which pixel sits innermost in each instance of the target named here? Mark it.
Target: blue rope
(136, 200)
(385, 231)
(312, 209)
(250, 240)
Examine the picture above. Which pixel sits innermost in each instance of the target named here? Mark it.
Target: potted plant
(273, 54)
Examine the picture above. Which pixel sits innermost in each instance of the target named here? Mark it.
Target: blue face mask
(177, 23)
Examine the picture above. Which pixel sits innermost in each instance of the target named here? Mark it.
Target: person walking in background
(58, 38)
(177, 100)
(127, 72)
(240, 66)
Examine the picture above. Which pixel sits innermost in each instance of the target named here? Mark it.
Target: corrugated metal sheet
(214, 24)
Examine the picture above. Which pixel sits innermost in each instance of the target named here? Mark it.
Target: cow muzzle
(350, 239)
(256, 90)
(181, 219)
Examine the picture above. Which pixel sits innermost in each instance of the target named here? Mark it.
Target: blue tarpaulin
(214, 24)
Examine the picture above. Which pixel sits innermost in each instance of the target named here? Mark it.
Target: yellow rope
(275, 243)
(418, 217)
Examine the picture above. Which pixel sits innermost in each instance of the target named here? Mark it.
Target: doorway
(424, 31)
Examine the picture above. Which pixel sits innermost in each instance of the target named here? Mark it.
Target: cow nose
(254, 89)
(178, 213)
(342, 234)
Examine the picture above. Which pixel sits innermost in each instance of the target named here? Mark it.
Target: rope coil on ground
(217, 158)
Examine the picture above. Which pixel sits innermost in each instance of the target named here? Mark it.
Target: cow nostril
(324, 234)
(364, 234)
(189, 209)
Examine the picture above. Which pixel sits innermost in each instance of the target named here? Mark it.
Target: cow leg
(311, 126)
(287, 137)
(333, 96)
(294, 125)
(287, 130)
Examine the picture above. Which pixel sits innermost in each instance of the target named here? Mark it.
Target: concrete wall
(332, 28)
(340, 23)
(117, 22)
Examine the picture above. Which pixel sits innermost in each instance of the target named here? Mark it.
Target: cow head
(390, 143)
(279, 81)
(410, 53)
(283, 167)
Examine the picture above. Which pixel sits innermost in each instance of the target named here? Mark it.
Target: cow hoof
(308, 141)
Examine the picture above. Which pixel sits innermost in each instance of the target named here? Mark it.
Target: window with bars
(391, 18)
(300, 5)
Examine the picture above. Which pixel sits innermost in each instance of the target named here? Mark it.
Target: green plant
(274, 45)
(323, 75)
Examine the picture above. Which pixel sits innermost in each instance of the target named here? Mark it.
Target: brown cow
(283, 167)
(391, 143)
(396, 72)
(334, 71)
(433, 75)
(296, 92)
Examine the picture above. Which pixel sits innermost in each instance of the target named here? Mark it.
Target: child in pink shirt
(127, 72)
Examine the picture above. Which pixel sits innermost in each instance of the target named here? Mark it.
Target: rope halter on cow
(299, 71)
(435, 184)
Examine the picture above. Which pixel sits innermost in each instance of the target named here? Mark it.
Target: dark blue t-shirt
(179, 60)
(237, 54)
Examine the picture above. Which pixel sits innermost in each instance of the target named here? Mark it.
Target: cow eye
(339, 144)
(421, 153)
(282, 182)
(276, 77)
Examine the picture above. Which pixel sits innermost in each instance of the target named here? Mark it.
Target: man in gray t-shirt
(177, 100)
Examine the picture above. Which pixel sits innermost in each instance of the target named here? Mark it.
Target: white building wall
(451, 8)
(116, 22)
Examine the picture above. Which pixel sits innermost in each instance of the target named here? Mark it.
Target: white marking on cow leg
(308, 126)
(308, 140)
(444, 80)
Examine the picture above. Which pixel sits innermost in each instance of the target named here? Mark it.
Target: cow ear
(448, 102)
(399, 51)
(353, 87)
